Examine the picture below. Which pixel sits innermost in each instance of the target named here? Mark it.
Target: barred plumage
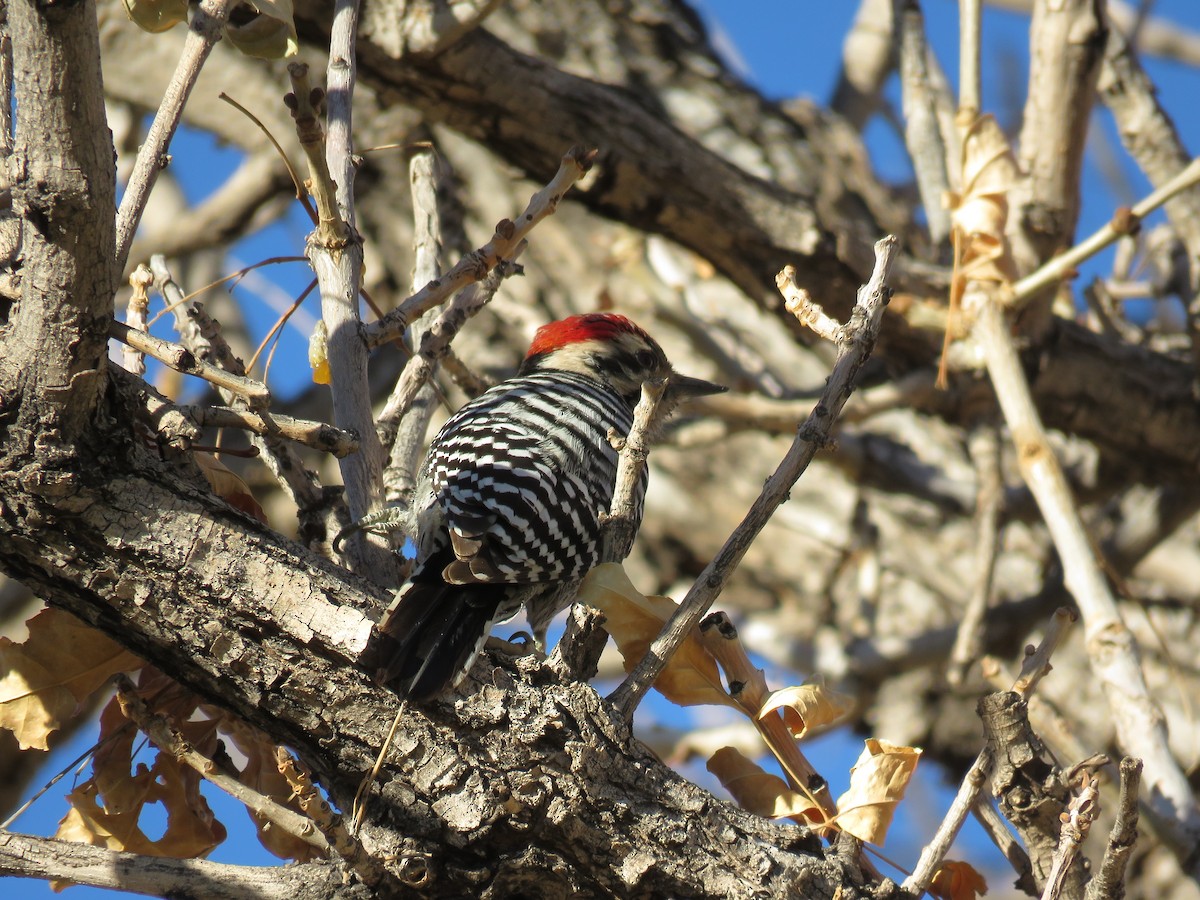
(509, 499)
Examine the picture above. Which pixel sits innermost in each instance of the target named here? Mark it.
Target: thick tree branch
(64, 194)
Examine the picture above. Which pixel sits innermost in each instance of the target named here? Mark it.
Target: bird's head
(613, 350)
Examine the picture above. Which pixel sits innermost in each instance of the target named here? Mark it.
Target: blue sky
(790, 48)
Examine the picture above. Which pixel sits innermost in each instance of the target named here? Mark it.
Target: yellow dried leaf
(757, 791)
(807, 705)
(318, 353)
(120, 789)
(156, 15)
(635, 620)
(957, 881)
(877, 784)
(228, 486)
(45, 678)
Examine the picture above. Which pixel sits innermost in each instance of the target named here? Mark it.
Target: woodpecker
(508, 502)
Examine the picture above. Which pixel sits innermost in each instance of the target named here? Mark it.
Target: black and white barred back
(509, 498)
(527, 468)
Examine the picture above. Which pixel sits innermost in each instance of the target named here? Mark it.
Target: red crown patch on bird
(589, 326)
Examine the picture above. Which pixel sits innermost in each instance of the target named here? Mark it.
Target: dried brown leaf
(44, 679)
(635, 620)
(957, 881)
(760, 792)
(877, 784)
(806, 706)
(980, 214)
(192, 829)
(228, 486)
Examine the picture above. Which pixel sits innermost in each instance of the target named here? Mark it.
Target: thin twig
(328, 823)
(446, 23)
(317, 510)
(807, 311)
(937, 848)
(749, 690)
(984, 446)
(1077, 821)
(135, 317)
(204, 30)
(164, 736)
(575, 163)
(1123, 222)
(1112, 649)
(969, 35)
(996, 826)
(857, 339)
(297, 182)
(303, 103)
(1109, 881)
(619, 526)
(435, 342)
(318, 435)
(402, 424)
(335, 252)
(363, 795)
(181, 359)
(927, 146)
(1036, 663)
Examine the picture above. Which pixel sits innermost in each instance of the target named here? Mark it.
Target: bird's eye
(645, 358)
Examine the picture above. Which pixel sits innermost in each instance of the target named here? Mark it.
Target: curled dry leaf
(760, 792)
(117, 780)
(635, 620)
(262, 28)
(806, 706)
(978, 217)
(106, 809)
(44, 679)
(957, 881)
(877, 784)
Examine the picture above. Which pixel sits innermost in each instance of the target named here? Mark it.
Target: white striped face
(622, 361)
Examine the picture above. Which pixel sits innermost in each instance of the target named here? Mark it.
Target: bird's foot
(522, 643)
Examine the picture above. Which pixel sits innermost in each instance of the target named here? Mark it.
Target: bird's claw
(521, 643)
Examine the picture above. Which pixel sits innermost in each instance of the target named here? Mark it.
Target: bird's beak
(684, 387)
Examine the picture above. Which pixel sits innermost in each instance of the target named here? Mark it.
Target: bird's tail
(431, 635)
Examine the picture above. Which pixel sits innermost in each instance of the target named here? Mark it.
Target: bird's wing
(517, 525)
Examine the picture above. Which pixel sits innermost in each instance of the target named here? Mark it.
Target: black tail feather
(430, 638)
